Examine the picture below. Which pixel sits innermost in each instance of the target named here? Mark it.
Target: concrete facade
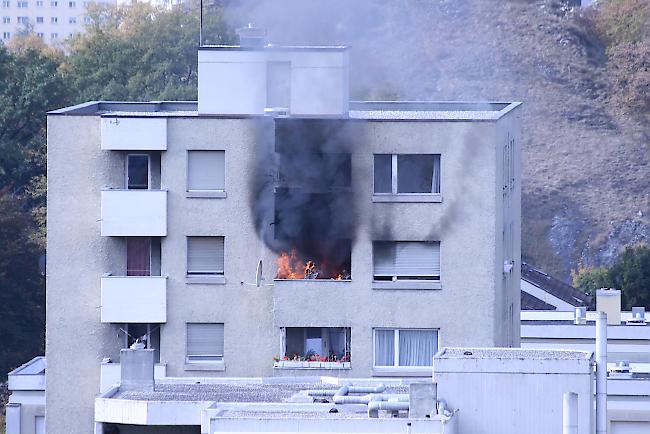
(476, 219)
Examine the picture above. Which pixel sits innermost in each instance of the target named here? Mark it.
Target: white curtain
(417, 347)
(435, 187)
(384, 348)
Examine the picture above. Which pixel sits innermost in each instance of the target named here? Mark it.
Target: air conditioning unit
(638, 316)
(621, 369)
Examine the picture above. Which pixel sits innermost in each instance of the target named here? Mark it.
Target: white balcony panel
(134, 213)
(134, 134)
(134, 299)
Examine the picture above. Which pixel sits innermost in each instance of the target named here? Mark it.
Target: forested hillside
(582, 74)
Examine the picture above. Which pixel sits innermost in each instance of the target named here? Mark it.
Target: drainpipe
(570, 413)
(601, 373)
(393, 406)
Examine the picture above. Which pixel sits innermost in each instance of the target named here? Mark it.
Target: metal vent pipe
(601, 373)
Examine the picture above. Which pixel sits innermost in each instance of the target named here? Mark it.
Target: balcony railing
(134, 134)
(134, 299)
(134, 213)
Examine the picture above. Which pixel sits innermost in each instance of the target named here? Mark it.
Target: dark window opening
(325, 344)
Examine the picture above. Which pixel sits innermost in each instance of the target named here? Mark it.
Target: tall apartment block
(52, 20)
(274, 228)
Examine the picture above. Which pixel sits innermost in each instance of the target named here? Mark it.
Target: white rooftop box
(134, 299)
(134, 213)
(302, 81)
(134, 133)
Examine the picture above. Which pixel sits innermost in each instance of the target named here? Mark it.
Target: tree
(140, 53)
(630, 274)
(22, 289)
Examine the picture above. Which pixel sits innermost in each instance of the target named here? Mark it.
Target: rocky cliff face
(586, 165)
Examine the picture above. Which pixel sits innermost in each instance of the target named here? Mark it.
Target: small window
(23, 20)
(72, 20)
(6, 35)
(138, 256)
(137, 172)
(39, 4)
(6, 3)
(405, 347)
(204, 343)
(205, 256)
(205, 171)
(406, 260)
(6, 20)
(72, 4)
(54, 20)
(40, 35)
(54, 4)
(407, 174)
(54, 35)
(23, 5)
(88, 20)
(39, 20)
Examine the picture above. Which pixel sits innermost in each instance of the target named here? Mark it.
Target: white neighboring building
(541, 291)
(52, 20)
(25, 412)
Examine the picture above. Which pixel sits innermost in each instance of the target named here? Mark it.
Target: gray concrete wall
(468, 309)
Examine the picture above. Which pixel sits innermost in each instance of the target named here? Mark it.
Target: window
(54, 4)
(6, 20)
(54, 20)
(407, 174)
(54, 35)
(88, 20)
(137, 172)
(6, 35)
(72, 20)
(40, 35)
(148, 334)
(405, 347)
(39, 3)
(406, 260)
(278, 84)
(205, 171)
(138, 256)
(326, 344)
(205, 256)
(23, 20)
(204, 343)
(6, 3)
(23, 5)
(39, 20)
(72, 4)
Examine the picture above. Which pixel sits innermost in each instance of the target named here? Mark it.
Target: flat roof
(358, 110)
(510, 353)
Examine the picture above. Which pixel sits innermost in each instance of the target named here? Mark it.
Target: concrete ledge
(289, 364)
(407, 285)
(215, 194)
(407, 198)
(205, 366)
(205, 280)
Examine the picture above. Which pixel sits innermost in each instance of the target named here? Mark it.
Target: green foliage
(139, 53)
(22, 290)
(630, 274)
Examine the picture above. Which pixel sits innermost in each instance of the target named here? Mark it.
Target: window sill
(407, 285)
(214, 366)
(404, 371)
(214, 194)
(407, 198)
(205, 280)
(287, 364)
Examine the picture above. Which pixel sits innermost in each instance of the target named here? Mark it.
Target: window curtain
(417, 347)
(435, 188)
(138, 256)
(384, 347)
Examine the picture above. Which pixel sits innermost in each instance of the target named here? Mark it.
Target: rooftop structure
(541, 291)
(25, 411)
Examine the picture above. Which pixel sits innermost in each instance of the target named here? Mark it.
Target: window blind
(406, 258)
(204, 340)
(205, 170)
(205, 255)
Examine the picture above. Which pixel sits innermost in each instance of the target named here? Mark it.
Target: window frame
(217, 194)
(407, 284)
(126, 171)
(206, 279)
(205, 365)
(394, 195)
(396, 367)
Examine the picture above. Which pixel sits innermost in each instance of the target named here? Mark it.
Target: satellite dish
(259, 279)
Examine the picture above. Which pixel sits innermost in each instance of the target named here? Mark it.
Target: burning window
(316, 260)
(325, 344)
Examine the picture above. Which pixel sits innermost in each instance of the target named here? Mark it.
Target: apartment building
(274, 228)
(52, 20)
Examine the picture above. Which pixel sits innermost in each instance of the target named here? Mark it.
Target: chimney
(609, 301)
(251, 37)
(137, 369)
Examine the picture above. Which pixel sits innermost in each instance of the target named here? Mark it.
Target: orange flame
(290, 266)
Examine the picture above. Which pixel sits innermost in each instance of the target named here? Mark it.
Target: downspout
(570, 413)
(601, 373)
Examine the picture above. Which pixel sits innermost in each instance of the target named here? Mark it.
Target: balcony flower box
(292, 364)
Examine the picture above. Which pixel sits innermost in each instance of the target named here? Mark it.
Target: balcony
(134, 299)
(134, 134)
(134, 213)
